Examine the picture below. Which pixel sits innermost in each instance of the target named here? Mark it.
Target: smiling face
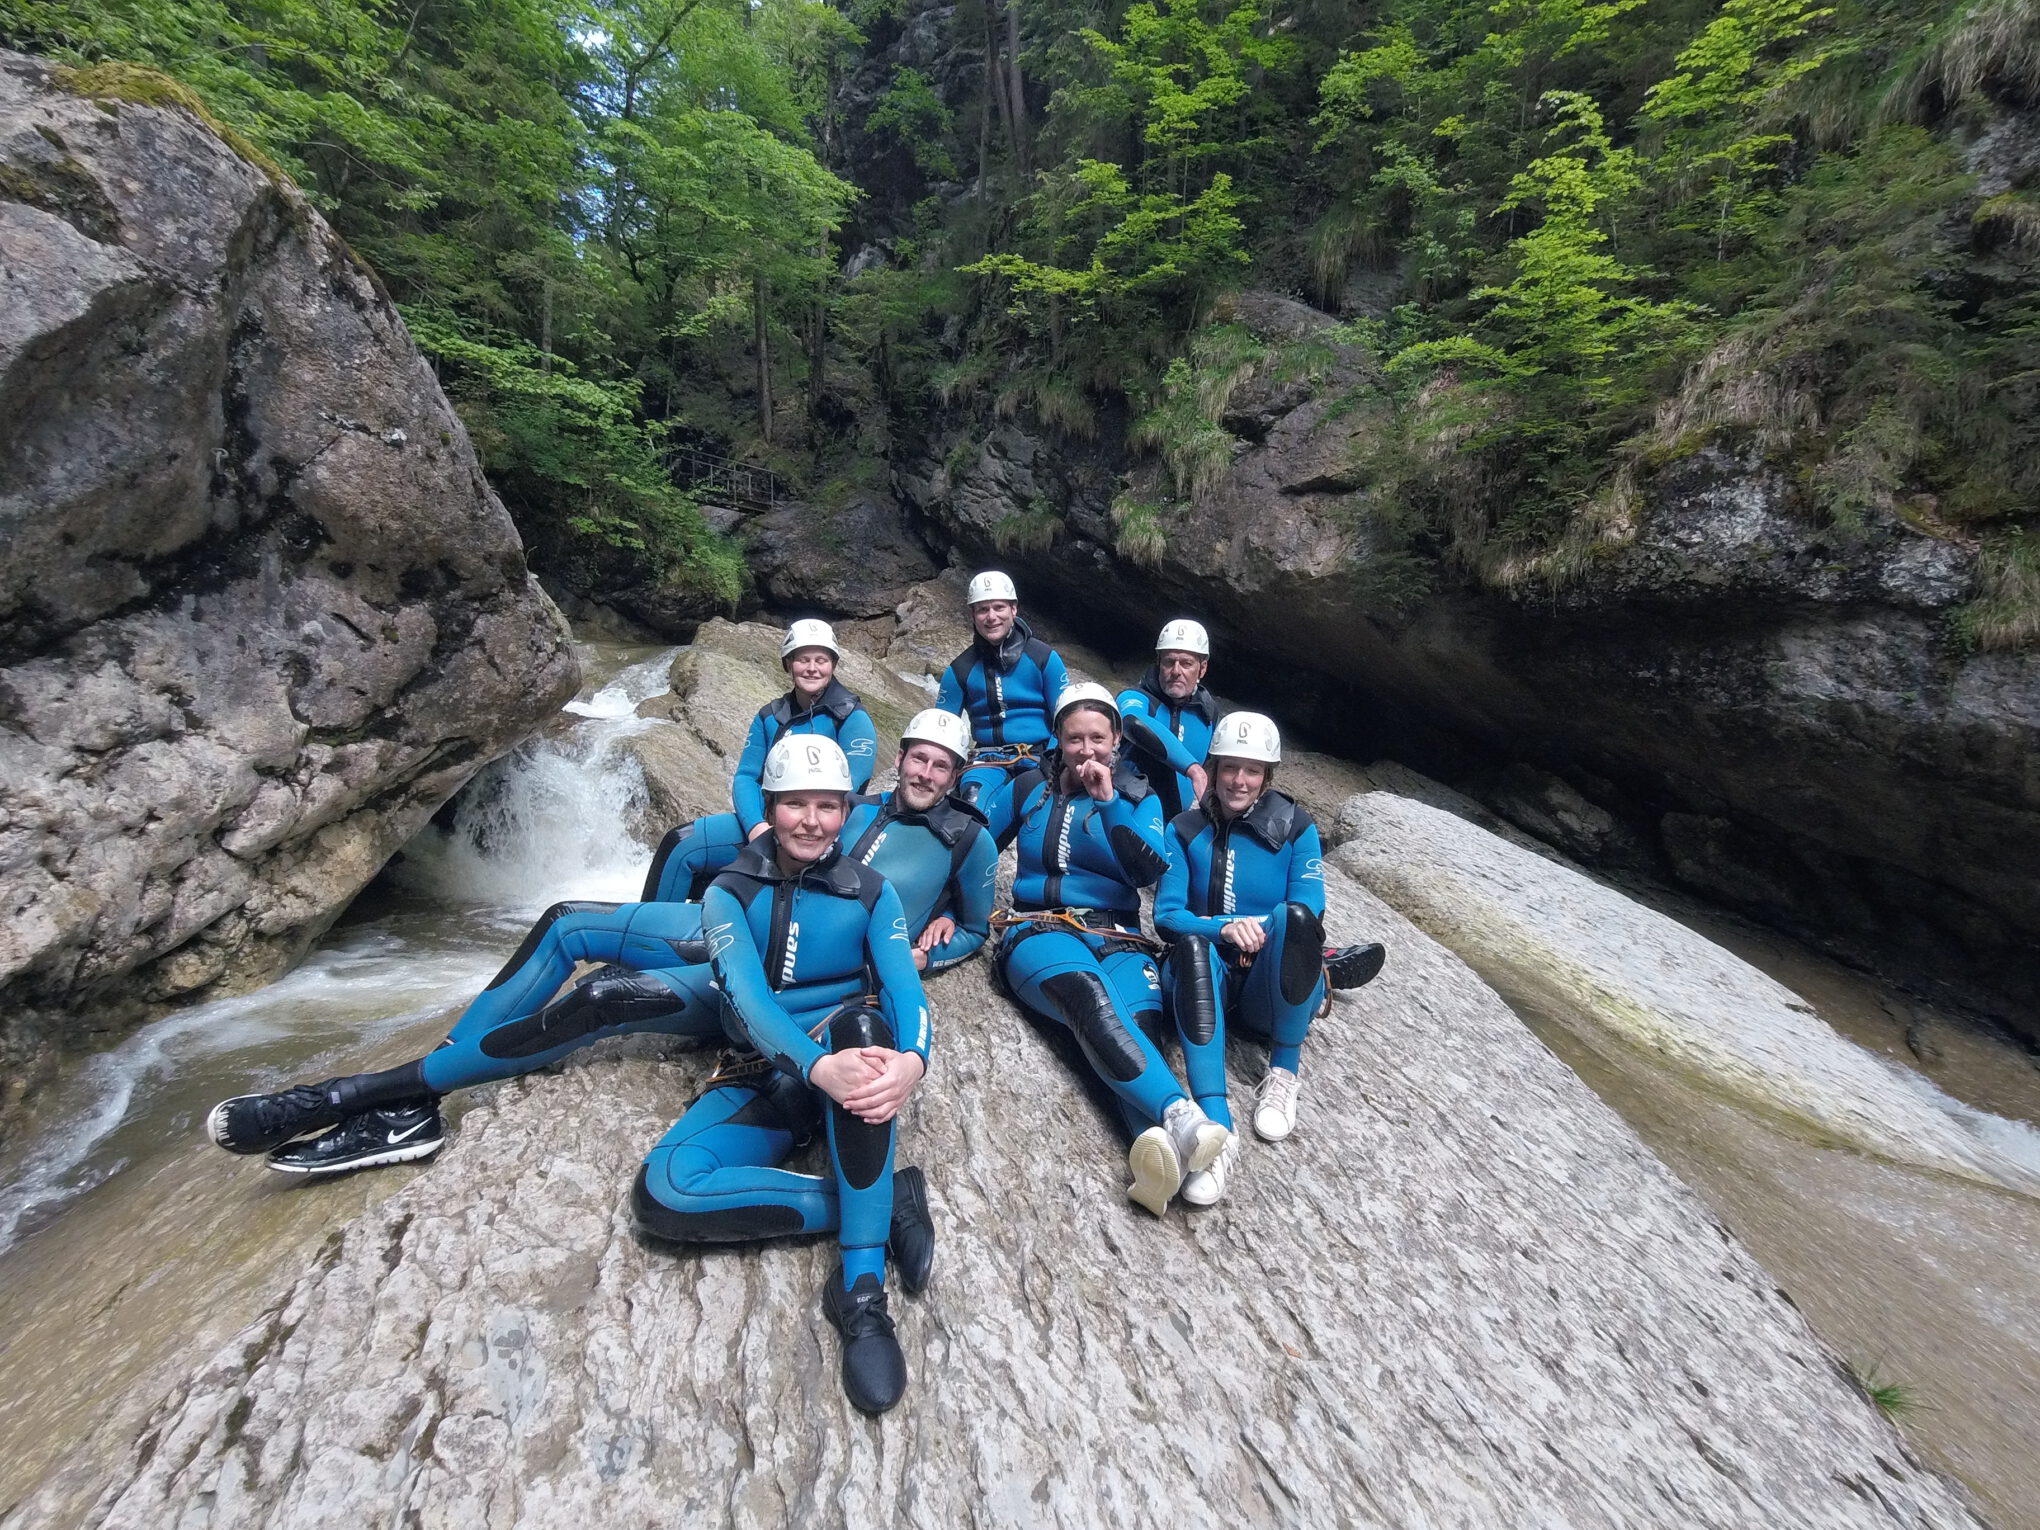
(805, 824)
(812, 669)
(993, 619)
(1087, 732)
(1237, 785)
(927, 772)
(1181, 673)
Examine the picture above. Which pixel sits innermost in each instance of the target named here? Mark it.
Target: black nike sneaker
(255, 1123)
(874, 1370)
(1350, 966)
(367, 1141)
(911, 1239)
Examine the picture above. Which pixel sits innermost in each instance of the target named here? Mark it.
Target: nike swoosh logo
(409, 1131)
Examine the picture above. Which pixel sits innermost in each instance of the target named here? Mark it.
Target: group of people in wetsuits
(796, 931)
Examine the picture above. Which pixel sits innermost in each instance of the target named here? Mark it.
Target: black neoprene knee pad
(1191, 992)
(1303, 952)
(861, 1148)
(1087, 1008)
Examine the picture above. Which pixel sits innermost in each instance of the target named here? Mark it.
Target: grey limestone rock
(260, 614)
(1462, 1295)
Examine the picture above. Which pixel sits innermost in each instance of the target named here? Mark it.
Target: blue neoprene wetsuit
(1089, 859)
(1006, 691)
(836, 714)
(940, 862)
(1266, 864)
(1165, 738)
(793, 957)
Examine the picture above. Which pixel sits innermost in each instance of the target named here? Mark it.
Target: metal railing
(720, 479)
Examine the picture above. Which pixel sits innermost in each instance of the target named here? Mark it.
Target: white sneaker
(1205, 1186)
(1157, 1171)
(1275, 1104)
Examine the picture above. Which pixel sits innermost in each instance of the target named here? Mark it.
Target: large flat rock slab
(1462, 1295)
(1628, 974)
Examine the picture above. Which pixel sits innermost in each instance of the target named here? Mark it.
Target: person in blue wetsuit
(823, 1002)
(933, 848)
(1004, 684)
(1243, 900)
(1089, 837)
(1168, 717)
(816, 704)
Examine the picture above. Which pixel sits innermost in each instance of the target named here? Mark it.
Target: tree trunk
(1020, 145)
(762, 343)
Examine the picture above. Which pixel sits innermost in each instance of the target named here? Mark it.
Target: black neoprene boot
(911, 1239)
(255, 1123)
(874, 1370)
(1350, 966)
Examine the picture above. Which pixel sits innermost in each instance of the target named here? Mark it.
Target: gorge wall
(260, 613)
(1764, 711)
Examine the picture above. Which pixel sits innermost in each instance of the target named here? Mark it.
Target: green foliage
(918, 121)
(1182, 420)
(2006, 611)
(1032, 530)
(1138, 533)
(548, 436)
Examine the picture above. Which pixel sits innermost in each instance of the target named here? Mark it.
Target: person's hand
(842, 1074)
(760, 829)
(1249, 935)
(1095, 777)
(1200, 782)
(939, 929)
(879, 1100)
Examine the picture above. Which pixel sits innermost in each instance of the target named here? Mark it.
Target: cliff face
(1770, 713)
(260, 614)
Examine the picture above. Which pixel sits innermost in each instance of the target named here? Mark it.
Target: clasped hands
(872, 1083)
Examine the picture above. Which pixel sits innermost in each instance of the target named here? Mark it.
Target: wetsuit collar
(1126, 777)
(832, 872)
(1199, 700)
(835, 700)
(1272, 819)
(1006, 652)
(948, 820)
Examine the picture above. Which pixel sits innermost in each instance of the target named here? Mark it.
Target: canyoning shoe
(1351, 966)
(911, 1239)
(255, 1123)
(1275, 1104)
(1206, 1186)
(874, 1370)
(394, 1134)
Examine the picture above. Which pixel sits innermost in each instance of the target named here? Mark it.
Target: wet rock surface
(260, 613)
(1462, 1294)
(1631, 977)
(1776, 708)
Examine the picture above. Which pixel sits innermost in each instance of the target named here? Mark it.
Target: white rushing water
(550, 821)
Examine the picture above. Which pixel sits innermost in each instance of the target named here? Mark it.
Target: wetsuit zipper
(1221, 854)
(782, 921)
(1058, 816)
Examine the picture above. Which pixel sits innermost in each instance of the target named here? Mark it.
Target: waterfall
(548, 822)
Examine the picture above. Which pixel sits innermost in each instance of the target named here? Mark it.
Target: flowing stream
(126, 1239)
(124, 1234)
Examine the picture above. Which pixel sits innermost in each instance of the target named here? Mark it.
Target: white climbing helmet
(935, 726)
(1247, 736)
(1184, 636)
(991, 585)
(1084, 690)
(806, 762)
(808, 633)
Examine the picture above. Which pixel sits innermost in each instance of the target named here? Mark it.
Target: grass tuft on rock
(139, 85)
